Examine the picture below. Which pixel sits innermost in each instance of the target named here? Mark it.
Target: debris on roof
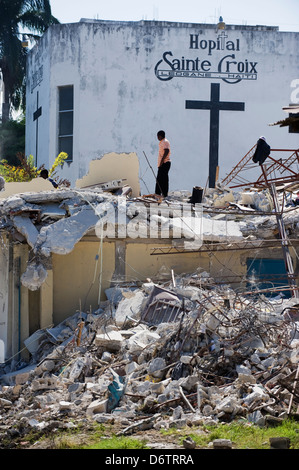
(42, 219)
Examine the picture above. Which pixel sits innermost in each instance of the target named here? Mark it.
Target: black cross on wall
(214, 106)
(36, 115)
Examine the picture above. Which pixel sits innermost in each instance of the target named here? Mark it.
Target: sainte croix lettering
(230, 68)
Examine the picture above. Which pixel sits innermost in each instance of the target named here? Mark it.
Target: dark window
(66, 121)
(294, 123)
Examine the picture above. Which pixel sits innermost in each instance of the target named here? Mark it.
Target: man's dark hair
(44, 173)
(161, 134)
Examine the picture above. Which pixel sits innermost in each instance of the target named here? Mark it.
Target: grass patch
(115, 442)
(243, 434)
(96, 437)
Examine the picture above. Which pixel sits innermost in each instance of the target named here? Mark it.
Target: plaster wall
(141, 264)
(80, 278)
(20, 308)
(132, 79)
(225, 267)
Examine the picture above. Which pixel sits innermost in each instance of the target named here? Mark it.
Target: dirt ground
(154, 439)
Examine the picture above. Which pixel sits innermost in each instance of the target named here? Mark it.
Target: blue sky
(282, 13)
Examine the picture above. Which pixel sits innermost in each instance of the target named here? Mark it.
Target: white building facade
(96, 87)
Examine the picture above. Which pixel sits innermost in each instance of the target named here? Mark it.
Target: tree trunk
(5, 112)
(6, 103)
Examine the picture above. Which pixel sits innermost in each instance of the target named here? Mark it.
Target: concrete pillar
(19, 301)
(4, 297)
(46, 301)
(120, 262)
(24, 302)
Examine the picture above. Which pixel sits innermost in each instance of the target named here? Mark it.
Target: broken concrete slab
(11, 203)
(47, 383)
(130, 308)
(157, 367)
(97, 406)
(61, 237)
(34, 276)
(110, 341)
(25, 226)
(222, 444)
(279, 442)
(33, 342)
(140, 340)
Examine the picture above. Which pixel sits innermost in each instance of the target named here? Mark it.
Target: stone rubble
(222, 357)
(215, 363)
(42, 219)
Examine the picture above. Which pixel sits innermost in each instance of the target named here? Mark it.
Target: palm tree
(34, 16)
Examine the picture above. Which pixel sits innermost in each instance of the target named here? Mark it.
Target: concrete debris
(34, 276)
(53, 239)
(111, 341)
(212, 363)
(222, 444)
(189, 443)
(26, 228)
(279, 443)
(43, 219)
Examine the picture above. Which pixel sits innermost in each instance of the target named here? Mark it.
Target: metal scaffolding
(274, 172)
(280, 170)
(284, 243)
(221, 246)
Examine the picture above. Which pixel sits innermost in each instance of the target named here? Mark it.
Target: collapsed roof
(225, 216)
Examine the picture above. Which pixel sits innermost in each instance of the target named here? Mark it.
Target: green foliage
(32, 16)
(12, 140)
(26, 171)
(117, 443)
(97, 436)
(59, 161)
(244, 435)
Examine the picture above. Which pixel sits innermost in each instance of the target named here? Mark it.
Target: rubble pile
(42, 219)
(159, 356)
(170, 354)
